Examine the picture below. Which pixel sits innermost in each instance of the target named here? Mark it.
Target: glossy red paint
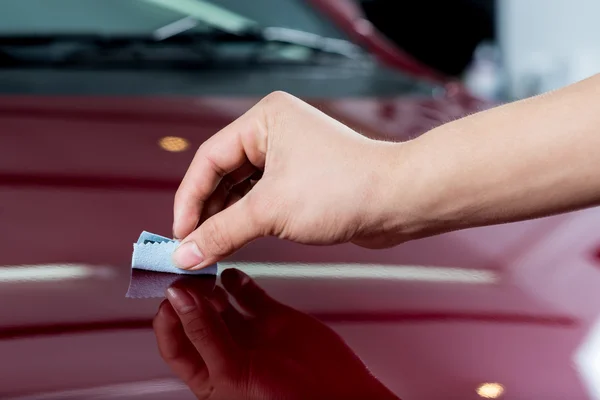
(597, 255)
(80, 177)
(374, 317)
(38, 180)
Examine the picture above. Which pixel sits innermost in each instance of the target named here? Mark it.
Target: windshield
(140, 17)
(217, 47)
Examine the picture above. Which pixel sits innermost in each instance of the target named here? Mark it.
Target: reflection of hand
(275, 353)
(322, 183)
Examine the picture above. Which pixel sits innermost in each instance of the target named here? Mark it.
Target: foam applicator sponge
(156, 272)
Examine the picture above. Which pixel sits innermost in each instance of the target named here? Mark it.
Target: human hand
(322, 183)
(275, 352)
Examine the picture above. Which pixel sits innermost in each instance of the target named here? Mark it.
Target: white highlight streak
(49, 272)
(365, 271)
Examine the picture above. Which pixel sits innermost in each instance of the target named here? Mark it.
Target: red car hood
(434, 318)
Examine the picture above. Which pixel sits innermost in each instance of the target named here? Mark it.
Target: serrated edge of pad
(154, 244)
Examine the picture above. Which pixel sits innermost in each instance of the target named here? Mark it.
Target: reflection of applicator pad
(153, 253)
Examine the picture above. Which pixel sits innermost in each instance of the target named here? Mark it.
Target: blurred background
(103, 103)
(501, 50)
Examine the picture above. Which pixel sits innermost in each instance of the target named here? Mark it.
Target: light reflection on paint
(365, 271)
(173, 144)
(50, 272)
(169, 387)
(587, 360)
(490, 390)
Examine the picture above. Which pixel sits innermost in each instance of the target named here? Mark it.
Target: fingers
(243, 141)
(219, 299)
(235, 322)
(238, 192)
(232, 183)
(177, 351)
(220, 235)
(203, 285)
(251, 297)
(205, 330)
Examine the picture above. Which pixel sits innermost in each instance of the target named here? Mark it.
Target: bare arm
(323, 183)
(523, 160)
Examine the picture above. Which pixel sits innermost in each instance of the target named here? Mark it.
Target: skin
(322, 183)
(271, 352)
(285, 169)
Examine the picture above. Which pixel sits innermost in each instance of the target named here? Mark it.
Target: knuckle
(205, 393)
(197, 331)
(215, 238)
(277, 97)
(211, 155)
(168, 355)
(202, 150)
(274, 109)
(208, 152)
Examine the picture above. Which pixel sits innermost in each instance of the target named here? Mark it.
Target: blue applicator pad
(152, 253)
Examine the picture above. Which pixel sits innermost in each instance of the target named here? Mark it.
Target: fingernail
(181, 300)
(234, 278)
(187, 255)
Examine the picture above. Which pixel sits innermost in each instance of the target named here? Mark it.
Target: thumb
(219, 236)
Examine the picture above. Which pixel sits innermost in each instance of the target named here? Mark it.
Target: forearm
(527, 159)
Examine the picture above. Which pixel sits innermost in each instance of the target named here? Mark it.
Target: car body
(82, 173)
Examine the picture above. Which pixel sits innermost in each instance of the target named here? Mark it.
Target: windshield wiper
(221, 18)
(257, 34)
(161, 49)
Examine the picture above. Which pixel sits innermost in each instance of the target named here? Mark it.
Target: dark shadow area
(441, 34)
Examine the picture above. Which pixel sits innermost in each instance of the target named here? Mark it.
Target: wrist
(409, 198)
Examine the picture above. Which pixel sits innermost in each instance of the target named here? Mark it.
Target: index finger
(242, 141)
(206, 330)
(176, 349)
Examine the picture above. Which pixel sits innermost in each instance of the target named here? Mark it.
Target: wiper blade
(201, 46)
(257, 34)
(33, 40)
(309, 40)
(266, 35)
